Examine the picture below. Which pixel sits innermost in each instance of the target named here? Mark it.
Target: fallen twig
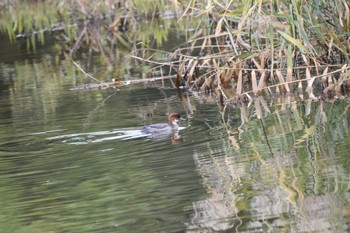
(90, 76)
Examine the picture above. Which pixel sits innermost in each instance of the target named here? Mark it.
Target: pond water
(76, 161)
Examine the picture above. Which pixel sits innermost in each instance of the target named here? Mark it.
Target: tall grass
(235, 48)
(243, 48)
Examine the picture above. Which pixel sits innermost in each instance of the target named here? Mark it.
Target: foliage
(257, 45)
(237, 48)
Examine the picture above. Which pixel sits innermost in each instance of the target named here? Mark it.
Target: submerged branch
(153, 62)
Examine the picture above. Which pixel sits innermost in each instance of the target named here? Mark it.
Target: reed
(244, 48)
(239, 49)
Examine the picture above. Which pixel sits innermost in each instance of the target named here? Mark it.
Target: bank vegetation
(241, 49)
(235, 49)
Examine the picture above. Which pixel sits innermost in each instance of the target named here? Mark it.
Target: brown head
(174, 116)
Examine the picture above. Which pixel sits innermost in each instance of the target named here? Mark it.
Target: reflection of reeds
(95, 24)
(290, 162)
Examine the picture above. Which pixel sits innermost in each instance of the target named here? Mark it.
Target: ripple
(99, 136)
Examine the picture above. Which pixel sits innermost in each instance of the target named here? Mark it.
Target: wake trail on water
(95, 137)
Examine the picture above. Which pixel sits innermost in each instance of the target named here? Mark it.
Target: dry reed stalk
(325, 76)
(262, 81)
(254, 83)
(309, 80)
(240, 83)
(282, 82)
(257, 106)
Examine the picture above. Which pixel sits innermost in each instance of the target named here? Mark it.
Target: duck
(163, 128)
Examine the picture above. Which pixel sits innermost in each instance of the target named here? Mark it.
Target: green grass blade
(292, 40)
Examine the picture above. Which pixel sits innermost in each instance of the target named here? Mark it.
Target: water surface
(76, 161)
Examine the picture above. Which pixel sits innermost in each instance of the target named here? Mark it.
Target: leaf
(219, 27)
(236, 12)
(290, 66)
(254, 83)
(246, 55)
(262, 82)
(310, 81)
(303, 34)
(246, 13)
(257, 108)
(257, 65)
(292, 40)
(240, 82)
(190, 74)
(282, 82)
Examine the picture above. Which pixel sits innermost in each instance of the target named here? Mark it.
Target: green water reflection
(277, 165)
